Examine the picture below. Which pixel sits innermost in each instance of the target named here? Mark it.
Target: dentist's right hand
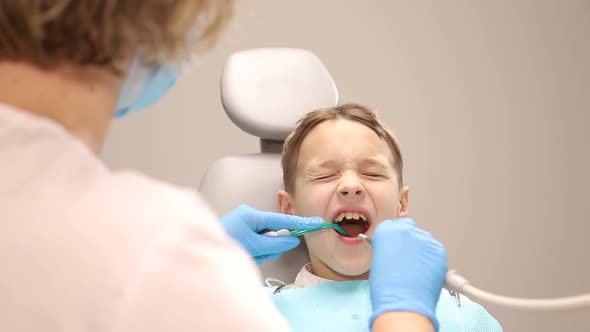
(407, 271)
(244, 224)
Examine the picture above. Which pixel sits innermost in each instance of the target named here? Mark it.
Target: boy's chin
(353, 272)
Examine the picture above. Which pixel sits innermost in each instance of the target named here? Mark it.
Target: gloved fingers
(398, 223)
(400, 226)
(414, 282)
(272, 245)
(276, 221)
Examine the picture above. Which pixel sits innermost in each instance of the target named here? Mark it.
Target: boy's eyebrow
(329, 163)
(373, 162)
(324, 163)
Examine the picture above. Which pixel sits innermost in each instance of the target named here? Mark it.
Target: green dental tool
(299, 232)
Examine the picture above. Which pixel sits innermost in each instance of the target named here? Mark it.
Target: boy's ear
(285, 205)
(403, 202)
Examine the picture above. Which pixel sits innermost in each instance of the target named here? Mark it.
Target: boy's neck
(325, 272)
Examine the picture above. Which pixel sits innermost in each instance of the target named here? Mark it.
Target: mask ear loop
(131, 87)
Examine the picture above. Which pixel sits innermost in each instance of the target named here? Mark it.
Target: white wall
(490, 100)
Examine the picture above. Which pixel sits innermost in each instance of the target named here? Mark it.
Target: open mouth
(353, 223)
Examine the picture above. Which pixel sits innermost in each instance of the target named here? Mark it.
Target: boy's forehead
(330, 131)
(337, 141)
(339, 133)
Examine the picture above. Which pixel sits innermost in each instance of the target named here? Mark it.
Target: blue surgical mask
(144, 86)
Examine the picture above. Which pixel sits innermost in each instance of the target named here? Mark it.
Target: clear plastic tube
(459, 284)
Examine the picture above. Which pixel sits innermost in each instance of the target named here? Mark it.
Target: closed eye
(325, 177)
(374, 175)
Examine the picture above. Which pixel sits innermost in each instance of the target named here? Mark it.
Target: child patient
(344, 165)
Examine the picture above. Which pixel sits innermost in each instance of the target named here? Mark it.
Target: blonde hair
(49, 33)
(351, 111)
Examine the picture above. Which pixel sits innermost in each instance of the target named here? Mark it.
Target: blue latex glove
(407, 271)
(244, 223)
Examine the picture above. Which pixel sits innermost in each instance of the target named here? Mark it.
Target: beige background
(490, 100)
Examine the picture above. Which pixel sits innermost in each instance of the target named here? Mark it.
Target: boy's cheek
(314, 193)
(312, 201)
(385, 200)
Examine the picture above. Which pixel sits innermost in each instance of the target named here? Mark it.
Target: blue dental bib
(345, 306)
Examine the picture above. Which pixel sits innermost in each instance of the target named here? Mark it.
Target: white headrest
(265, 91)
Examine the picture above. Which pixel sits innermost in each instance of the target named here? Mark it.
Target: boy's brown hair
(351, 111)
(48, 33)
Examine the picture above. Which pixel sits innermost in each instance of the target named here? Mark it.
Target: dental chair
(264, 92)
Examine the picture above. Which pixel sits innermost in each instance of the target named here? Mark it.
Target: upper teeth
(349, 215)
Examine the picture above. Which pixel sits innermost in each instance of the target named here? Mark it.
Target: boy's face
(344, 171)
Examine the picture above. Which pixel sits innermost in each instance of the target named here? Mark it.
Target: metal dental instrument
(457, 284)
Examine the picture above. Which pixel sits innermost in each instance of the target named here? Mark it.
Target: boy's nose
(350, 188)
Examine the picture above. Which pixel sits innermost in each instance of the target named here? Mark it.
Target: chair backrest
(264, 92)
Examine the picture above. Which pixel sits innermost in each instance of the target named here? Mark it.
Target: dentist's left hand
(244, 224)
